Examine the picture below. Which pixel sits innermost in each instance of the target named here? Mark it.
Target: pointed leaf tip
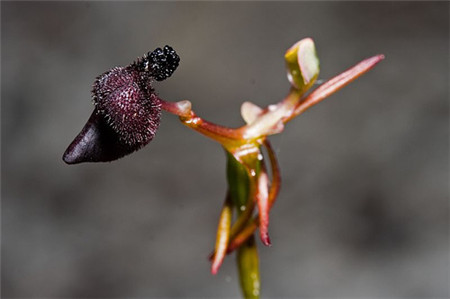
(266, 240)
(223, 235)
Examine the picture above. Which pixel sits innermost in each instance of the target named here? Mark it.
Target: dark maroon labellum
(127, 111)
(97, 142)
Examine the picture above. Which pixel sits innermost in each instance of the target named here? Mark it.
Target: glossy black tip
(160, 63)
(164, 62)
(97, 142)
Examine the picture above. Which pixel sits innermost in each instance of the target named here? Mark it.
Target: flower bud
(127, 110)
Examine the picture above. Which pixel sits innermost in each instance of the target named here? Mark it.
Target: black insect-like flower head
(127, 111)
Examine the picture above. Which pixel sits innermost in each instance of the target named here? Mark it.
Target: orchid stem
(239, 237)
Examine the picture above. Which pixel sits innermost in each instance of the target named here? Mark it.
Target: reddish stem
(223, 135)
(182, 108)
(243, 236)
(188, 117)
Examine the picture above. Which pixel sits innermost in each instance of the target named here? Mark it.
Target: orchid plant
(127, 115)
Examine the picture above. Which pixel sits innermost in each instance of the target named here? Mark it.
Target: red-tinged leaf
(262, 198)
(335, 84)
(276, 175)
(223, 235)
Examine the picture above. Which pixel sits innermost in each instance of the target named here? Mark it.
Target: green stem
(240, 188)
(248, 264)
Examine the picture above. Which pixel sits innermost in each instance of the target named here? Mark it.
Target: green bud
(302, 64)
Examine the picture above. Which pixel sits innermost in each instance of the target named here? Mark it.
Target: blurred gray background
(363, 210)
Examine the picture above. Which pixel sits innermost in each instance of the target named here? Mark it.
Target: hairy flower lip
(126, 99)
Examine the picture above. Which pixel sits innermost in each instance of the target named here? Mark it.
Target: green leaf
(238, 181)
(302, 64)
